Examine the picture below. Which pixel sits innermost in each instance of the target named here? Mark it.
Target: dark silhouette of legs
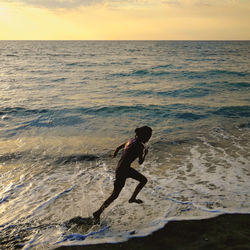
(118, 185)
(121, 177)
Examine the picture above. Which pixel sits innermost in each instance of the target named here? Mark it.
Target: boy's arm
(117, 150)
(143, 155)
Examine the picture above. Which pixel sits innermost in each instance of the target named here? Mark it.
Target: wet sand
(228, 231)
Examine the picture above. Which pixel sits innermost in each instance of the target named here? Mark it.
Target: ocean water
(66, 105)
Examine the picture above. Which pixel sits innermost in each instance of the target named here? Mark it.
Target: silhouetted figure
(133, 149)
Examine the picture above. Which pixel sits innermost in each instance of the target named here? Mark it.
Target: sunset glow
(128, 19)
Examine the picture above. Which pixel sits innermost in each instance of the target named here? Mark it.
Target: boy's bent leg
(142, 179)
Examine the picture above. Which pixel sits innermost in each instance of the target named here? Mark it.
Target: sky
(125, 20)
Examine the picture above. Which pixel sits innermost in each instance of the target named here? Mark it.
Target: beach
(65, 106)
(228, 231)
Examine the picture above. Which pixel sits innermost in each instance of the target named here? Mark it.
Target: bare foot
(138, 201)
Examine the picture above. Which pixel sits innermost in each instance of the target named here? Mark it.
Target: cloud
(68, 4)
(203, 2)
(58, 4)
(64, 4)
(127, 4)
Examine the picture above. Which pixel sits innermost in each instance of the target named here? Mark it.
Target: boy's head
(144, 133)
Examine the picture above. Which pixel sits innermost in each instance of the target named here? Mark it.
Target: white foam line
(208, 210)
(4, 199)
(29, 243)
(10, 191)
(80, 237)
(45, 204)
(12, 188)
(196, 205)
(50, 201)
(179, 202)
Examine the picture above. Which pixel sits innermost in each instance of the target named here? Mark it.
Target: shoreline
(227, 231)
